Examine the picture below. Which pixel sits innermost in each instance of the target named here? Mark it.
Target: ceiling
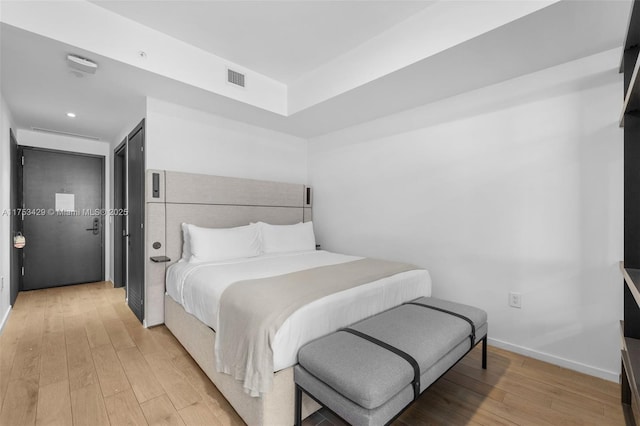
(280, 39)
(39, 88)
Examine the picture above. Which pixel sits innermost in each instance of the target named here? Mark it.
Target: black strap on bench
(472, 336)
(416, 368)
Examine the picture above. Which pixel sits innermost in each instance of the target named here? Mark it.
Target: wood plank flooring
(77, 355)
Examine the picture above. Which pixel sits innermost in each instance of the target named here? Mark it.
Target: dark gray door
(135, 226)
(119, 221)
(63, 223)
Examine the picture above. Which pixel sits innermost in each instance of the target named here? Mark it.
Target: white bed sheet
(198, 288)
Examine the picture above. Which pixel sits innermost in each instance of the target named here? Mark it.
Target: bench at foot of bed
(370, 372)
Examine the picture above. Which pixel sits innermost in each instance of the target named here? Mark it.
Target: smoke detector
(84, 65)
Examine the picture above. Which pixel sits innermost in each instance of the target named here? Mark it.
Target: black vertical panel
(119, 225)
(631, 191)
(633, 31)
(16, 225)
(631, 316)
(135, 204)
(628, 62)
(631, 207)
(625, 390)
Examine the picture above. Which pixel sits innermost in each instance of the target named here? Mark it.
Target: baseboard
(556, 360)
(4, 319)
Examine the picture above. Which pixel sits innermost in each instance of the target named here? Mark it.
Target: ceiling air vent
(235, 77)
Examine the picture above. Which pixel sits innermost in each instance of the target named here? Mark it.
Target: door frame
(132, 256)
(21, 149)
(15, 171)
(120, 222)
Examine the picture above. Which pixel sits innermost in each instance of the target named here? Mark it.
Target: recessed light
(71, 115)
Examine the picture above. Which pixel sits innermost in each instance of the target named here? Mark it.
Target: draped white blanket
(198, 287)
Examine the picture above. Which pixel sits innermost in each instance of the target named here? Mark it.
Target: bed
(192, 291)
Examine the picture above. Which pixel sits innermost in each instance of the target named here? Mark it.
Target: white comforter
(198, 287)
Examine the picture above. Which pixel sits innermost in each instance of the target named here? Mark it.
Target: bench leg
(298, 414)
(484, 353)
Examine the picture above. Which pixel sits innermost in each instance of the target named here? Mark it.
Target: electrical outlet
(515, 299)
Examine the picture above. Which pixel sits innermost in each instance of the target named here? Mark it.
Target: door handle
(96, 226)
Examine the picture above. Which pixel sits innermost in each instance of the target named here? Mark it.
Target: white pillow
(216, 244)
(186, 243)
(283, 238)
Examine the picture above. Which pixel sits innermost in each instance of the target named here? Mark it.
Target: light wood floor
(77, 355)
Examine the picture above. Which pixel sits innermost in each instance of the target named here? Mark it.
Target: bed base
(273, 408)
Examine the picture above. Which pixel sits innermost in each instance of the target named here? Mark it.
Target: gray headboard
(208, 201)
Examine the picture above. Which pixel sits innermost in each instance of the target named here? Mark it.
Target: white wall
(5, 220)
(514, 187)
(84, 146)
(189, 140)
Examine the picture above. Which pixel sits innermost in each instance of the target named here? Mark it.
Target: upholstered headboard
(173, 198)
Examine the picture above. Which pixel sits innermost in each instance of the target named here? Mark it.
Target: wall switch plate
(515, 299)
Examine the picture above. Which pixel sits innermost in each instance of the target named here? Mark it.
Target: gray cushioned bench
(370, 372)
